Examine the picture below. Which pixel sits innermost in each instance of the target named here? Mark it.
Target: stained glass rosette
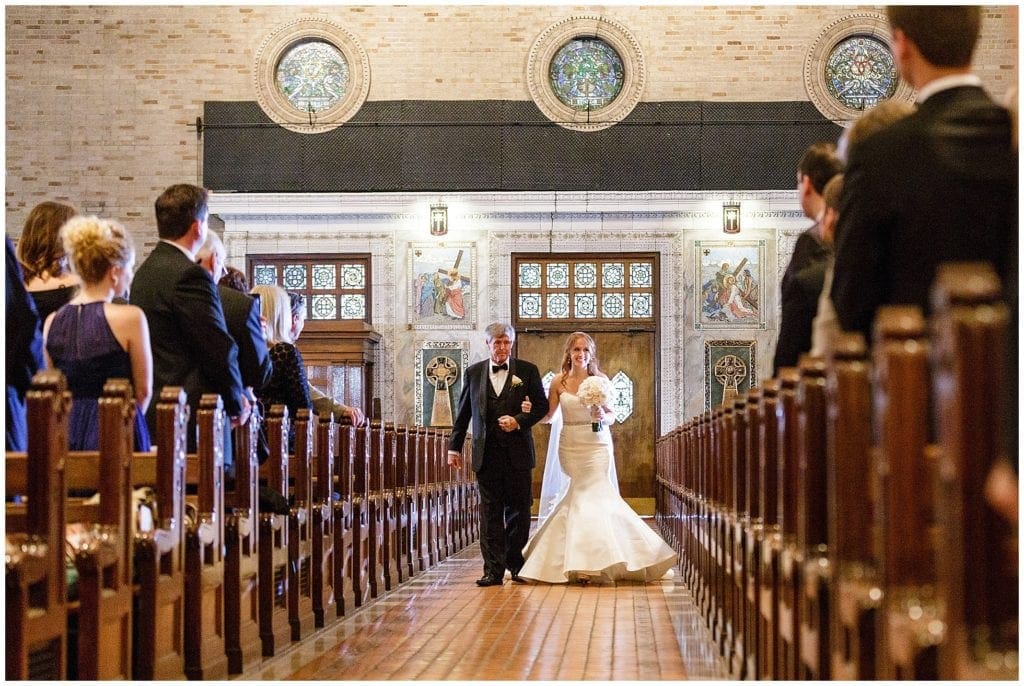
(586, 74)
(860, 72)
(313, 76)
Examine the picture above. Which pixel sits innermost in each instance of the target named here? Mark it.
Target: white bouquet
(594, 392)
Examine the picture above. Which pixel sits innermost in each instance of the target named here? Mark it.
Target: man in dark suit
(493, 392)
(939, 185)
(242, 315)
(24, 350)
(192, 347)
(801, 284)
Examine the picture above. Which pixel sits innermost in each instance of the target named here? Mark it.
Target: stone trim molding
(856, 24)
(585, 26)
(274, 103)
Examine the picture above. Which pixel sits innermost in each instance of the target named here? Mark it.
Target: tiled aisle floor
(441, 626)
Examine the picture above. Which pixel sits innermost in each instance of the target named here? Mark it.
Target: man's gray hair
(499, 329)
(212, 244)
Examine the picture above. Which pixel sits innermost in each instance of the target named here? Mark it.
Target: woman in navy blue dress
(92, 339)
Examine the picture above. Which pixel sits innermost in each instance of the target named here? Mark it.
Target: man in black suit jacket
(493, 392)
(801, 284)
(937, 186)
(242, 315)
(191, 344)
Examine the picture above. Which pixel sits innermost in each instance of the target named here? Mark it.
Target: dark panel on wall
(505, 145)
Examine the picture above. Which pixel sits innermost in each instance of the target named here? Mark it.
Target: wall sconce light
(438, 219)
(731, 218)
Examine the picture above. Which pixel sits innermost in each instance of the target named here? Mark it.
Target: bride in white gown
(590, 534)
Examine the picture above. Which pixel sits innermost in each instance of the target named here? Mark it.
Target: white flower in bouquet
(594, 392)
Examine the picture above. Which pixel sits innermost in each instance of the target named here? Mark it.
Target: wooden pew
(300, 533)
(392, 508)
(359, 578)
(978, 576)
(910, 624)
(275, 630)
(740, 526)
(323, 570)
(754, 538)
(36, 612)
(404, 497)
(99, 641)
(344, 548)
(159, 647)
(242, 643)
(770, 648)
(812, 523)
(423, 557)
(856, 591)
(205, 646)
(375, 511)
(790, 588)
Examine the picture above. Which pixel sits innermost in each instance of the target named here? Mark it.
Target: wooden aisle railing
(832, 523)
(371, 507)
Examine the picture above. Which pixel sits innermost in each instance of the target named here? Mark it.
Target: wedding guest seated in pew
(91, 339)
(44, 261)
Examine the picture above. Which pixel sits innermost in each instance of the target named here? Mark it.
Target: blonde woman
(288, 383)
(91, 339)
(591, 533)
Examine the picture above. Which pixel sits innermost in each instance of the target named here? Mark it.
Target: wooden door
(632, 353)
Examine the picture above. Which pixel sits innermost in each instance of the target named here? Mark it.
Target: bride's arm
(553, 393)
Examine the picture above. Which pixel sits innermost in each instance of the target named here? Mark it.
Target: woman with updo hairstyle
(43, 258)
(92, 339)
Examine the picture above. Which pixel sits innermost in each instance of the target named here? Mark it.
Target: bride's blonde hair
(592, 366)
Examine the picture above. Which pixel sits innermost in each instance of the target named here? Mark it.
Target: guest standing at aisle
(493, 392)
(191, 344)
(92, 339)
(43, 259)
(939, 185)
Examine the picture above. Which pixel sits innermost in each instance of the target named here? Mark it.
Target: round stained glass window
(586, 74)
(313, 76)
(860, 72)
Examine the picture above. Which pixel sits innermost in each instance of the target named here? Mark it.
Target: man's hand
(356, 415)
(242, 416)
(507, 422)
(455, 459)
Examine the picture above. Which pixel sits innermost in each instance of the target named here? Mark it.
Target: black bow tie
(495, 368)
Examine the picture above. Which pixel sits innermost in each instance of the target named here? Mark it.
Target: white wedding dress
(591, 532)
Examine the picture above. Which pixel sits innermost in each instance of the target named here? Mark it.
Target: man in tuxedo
(493, 392)
(192, 347)
(939, 185)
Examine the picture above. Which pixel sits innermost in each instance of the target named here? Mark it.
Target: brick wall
(100, 99)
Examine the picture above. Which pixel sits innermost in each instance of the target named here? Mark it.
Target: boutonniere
(516, 381)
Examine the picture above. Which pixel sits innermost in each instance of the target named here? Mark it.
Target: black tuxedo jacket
(937, 186)
(473, 406)
(242, 315)
(191, 344)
